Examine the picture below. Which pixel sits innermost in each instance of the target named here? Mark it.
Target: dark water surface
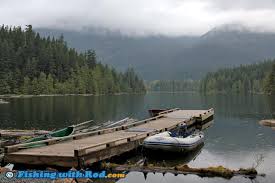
(234, 141)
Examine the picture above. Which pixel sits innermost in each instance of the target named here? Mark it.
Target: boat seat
(173, 134)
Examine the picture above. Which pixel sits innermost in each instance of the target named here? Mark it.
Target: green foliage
(269, 86)
(30, 64)
(25, 89)
(254, 78)
(173, 85)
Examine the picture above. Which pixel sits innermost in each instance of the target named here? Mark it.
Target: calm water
(233, 141)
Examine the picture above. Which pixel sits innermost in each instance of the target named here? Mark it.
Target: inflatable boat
(174, 142)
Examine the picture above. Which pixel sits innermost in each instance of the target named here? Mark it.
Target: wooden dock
(84, 149)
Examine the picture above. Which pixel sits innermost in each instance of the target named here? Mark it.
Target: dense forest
(254, 78)
(173, 85)
(32, 64)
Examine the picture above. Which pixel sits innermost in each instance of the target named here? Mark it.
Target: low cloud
(140, 17)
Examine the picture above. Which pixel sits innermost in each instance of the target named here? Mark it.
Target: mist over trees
(30, 64)
(254, 78)
(180, 58)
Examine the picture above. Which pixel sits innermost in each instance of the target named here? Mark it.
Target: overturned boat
(180, 141)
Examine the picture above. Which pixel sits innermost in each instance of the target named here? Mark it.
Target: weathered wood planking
(84, 149)
(20, 133)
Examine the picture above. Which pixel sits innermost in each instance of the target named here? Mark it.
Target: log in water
(218, 171)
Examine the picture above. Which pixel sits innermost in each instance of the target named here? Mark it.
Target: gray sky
(140, 17)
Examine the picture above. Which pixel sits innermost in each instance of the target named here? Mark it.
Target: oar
(117, 122)
(81, 125)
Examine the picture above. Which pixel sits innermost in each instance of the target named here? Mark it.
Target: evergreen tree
(50, 84)
(252, 78)
(31, 64)
(26, 87)
(270, 81)
(42, 84)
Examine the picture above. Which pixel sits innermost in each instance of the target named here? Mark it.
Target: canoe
(109, 124)
(79, 128)
(59, 133)
(70, 130)
(116, 123)
(155, 112)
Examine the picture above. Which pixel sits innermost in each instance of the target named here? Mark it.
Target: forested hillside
(269, 86)
(175, 58)
(255, 78)
(174, 85)
(30, 64)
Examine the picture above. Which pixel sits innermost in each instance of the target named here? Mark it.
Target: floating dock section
(84, 149)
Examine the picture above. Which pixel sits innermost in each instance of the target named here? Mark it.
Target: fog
(140, 17)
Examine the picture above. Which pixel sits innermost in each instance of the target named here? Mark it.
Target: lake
(234, 140)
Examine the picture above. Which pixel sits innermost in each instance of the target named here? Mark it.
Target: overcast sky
(140, 17)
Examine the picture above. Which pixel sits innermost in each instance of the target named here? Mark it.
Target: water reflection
(57, 112)
(206, 159)
(161, 158)
(233, 141)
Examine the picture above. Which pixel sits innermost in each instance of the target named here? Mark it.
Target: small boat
(116, 123)
(110, 124)
(79, 128)
(70, 130)
(181, 141)
(59, 133)
(155, 112)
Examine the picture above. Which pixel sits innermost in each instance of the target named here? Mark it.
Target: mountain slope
(158, 57)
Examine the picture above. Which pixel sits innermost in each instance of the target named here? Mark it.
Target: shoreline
(211, 93)
(6, 96)
(63, 95)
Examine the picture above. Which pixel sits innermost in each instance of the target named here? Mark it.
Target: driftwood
(218, 171)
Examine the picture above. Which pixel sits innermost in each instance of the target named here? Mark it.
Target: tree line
(173, 85)
(31, 64)
(253, 78)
